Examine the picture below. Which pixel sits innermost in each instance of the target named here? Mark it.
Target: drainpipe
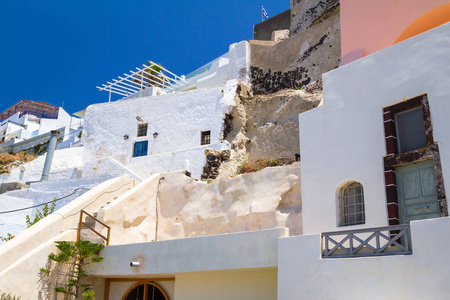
(50, 151)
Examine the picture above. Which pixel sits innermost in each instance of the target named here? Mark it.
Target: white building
(25, 128)
(375, 225)
(167, 131)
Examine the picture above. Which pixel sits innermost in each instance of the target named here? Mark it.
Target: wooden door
(417, 194)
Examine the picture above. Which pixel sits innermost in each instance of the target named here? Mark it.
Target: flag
(264, 13)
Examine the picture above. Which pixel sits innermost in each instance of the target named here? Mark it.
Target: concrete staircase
(27, 252)
(39, 193)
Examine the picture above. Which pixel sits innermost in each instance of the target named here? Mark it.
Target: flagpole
(262, 13)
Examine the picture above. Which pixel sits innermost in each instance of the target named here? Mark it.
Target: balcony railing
(391, 240)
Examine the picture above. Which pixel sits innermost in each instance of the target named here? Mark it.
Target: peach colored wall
(373, 25)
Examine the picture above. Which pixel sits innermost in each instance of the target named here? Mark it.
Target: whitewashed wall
(177, 118)
(302, 274)
(344, 139)
(257, 285)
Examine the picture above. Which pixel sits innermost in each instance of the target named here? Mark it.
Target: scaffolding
(39, 109)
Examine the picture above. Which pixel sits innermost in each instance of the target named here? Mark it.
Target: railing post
(79, 225)
(350, 240)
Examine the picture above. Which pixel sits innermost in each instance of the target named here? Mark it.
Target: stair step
(87, 235)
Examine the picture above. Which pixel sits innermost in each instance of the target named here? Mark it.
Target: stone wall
(306, 13)
(300, 59)
(263, 31)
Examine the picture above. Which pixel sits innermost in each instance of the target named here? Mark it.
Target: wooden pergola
(39, 109)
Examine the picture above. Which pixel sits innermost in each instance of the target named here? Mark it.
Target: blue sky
(59, 51)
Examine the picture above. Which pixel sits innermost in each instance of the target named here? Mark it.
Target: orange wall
(373, 25)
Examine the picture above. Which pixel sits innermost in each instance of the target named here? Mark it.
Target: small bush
(257, 165)
(7, 159)
(5, 296)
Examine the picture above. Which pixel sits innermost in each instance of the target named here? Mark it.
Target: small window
(142, 129)
(140, 148)
(206, 137)
(351, 200)
(410, 130)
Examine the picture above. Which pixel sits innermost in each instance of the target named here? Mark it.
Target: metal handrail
(347, 245)
(81, 224)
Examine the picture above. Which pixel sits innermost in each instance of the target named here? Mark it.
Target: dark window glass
(206, 137)
(410, 130)
(140, 148)
(142, 129)
(137, 293)
(153, 293)
(352, 204)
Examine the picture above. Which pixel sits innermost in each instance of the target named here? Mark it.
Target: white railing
(391, 240)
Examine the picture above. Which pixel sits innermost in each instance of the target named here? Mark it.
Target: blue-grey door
(417, 194)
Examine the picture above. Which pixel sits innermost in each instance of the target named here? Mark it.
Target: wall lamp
(125, 137)
(155, 134)
(135, 264)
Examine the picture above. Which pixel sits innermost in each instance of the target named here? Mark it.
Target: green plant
(41, 214)
(75, 255)
(5, 296)
(88, 295)
(37, 217)
(151, 75)
(7, 238)
(259, 164)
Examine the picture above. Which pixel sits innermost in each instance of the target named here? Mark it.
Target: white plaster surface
(256, 249)
(39, 193)
(302, 274)
(240, 56)
(13, 223)
(22, 278)
(261, 285)
(344, 139)
(178, 119)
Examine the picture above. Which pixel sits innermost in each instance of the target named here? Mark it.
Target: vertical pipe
(50, 151)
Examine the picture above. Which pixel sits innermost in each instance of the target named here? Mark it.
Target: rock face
(265, 126)
(312, 49)
(306, 13)
(178, 206)
(214, 159)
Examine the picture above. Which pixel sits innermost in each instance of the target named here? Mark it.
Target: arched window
(351, 204)
(145, 291)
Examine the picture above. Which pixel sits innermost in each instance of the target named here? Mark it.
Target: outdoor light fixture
(155, 134)
(139, 119)
(135, 264)
(125, 137)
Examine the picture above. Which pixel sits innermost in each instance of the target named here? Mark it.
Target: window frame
(345, 216)
(146, 284)
(395, 158)
(140, 130)
(205, 137)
